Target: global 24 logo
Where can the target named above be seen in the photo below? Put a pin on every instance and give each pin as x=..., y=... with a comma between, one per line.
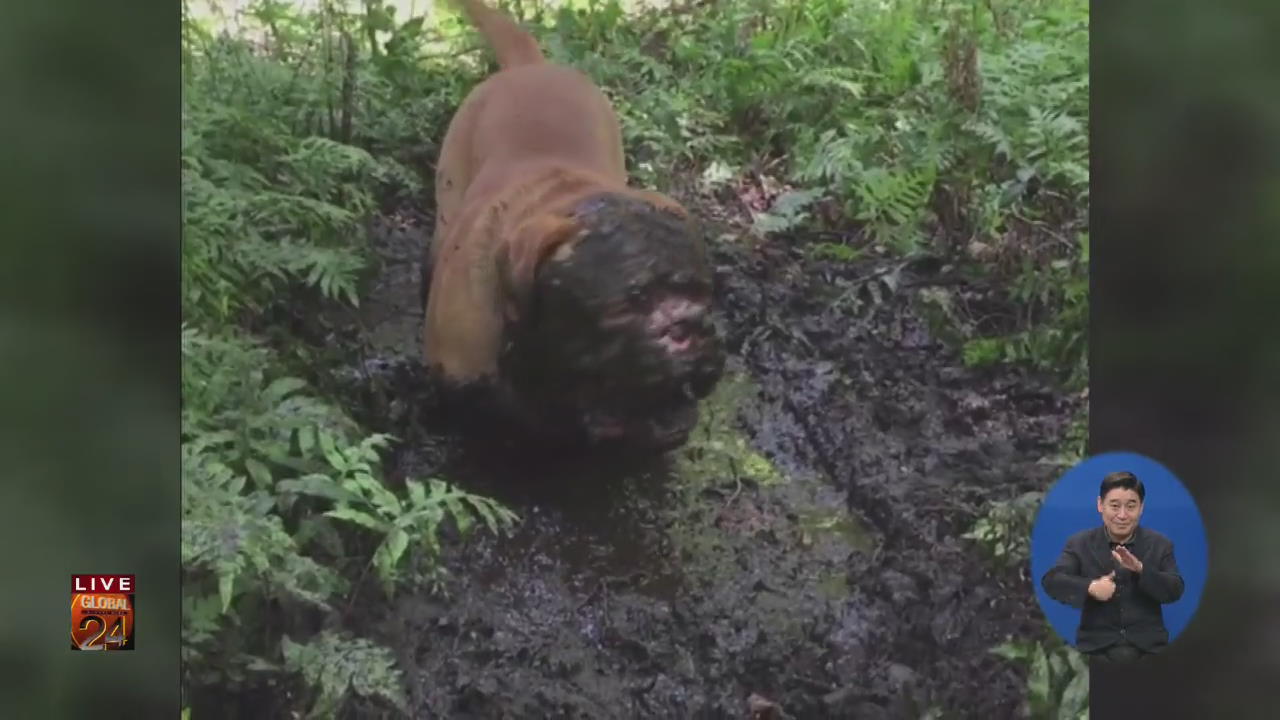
x=102, y=612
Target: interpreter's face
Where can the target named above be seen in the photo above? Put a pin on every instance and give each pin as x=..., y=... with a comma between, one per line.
x=1120, y=511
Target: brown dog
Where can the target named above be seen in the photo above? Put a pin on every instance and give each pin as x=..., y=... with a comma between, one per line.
x=584, y=303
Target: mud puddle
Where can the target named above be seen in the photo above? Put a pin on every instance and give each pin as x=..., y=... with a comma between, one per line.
x=800, y=557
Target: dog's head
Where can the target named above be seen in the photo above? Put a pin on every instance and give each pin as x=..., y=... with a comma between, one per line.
x=609, y=319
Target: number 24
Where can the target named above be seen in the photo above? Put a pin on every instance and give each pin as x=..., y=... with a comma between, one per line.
x=114, y=637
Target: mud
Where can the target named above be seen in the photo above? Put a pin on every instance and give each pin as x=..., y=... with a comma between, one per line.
x=799, y=558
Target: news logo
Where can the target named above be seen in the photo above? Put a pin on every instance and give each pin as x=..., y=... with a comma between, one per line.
x=102, y=612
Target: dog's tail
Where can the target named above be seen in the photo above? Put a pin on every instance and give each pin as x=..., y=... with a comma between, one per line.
x=511, y=43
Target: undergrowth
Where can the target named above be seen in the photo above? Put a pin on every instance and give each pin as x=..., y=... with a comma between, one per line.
x=910, y=127
x=1057, y=674
x=289, y=146
x=946, y=127
x=1057, y=677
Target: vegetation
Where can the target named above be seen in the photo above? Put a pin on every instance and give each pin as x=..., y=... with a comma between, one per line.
x=1057, y=678
x=912, y=127
x=1057, y=675
x=287, y=149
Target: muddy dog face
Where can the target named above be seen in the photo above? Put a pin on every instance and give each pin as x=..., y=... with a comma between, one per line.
x=615, y=336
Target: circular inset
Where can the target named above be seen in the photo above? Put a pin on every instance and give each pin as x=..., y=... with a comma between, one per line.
x=1119, y=556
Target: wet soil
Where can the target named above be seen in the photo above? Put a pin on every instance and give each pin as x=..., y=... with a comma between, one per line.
x=800, y=558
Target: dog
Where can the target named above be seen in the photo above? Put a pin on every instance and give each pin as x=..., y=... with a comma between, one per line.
x=582, y=304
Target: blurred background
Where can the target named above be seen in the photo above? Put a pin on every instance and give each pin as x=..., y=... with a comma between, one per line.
x=1185, y=351
x=88, y=349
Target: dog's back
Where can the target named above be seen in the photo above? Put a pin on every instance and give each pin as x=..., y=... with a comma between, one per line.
x=531, y=115
x=512, y=44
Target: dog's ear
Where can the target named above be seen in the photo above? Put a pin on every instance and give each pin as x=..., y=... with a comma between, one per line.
x=524, y=251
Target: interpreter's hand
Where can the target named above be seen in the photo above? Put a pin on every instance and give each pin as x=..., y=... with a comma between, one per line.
x=1104, y=587
x=1126, y=559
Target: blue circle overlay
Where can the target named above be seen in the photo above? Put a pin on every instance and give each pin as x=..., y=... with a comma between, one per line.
x=1071, y=505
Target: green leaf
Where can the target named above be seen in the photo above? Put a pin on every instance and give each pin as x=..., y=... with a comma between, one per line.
x=396, y=542
x=1009, y=651
x=318, y=486
x=225, y=583
x=329, y=447
x=417, y=497
x=1057, y=667
x=1038, y=678
x=1075, y=698
x=1077, y=662
x=281, y=388
x=259, y=472
x=306, y=440
x=376, y=493
x=358, y=517
x=461, y=514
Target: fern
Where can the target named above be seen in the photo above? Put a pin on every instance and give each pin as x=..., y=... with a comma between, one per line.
x=232, y=262
x=333, y=271
x=894, y=204
x=361, y=499
x=233, y=406
x=236, y=536
x=275, y=204
x=1005, y=528
x=832, y=158
x=1058, y=345
x=336, y=665
x=788, y=211
x=254, y=442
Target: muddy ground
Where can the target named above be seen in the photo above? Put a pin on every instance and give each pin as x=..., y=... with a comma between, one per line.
x=799, y=558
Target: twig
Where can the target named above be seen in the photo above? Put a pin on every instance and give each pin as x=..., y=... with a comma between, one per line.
x=838, y=234
x=859, y=282
x=348, y=86
x=355, y=589
x=937, y=282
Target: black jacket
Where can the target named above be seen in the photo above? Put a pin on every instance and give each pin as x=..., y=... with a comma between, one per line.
x=1133, y=612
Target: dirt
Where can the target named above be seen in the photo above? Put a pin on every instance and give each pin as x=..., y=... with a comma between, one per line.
x=800, y=558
